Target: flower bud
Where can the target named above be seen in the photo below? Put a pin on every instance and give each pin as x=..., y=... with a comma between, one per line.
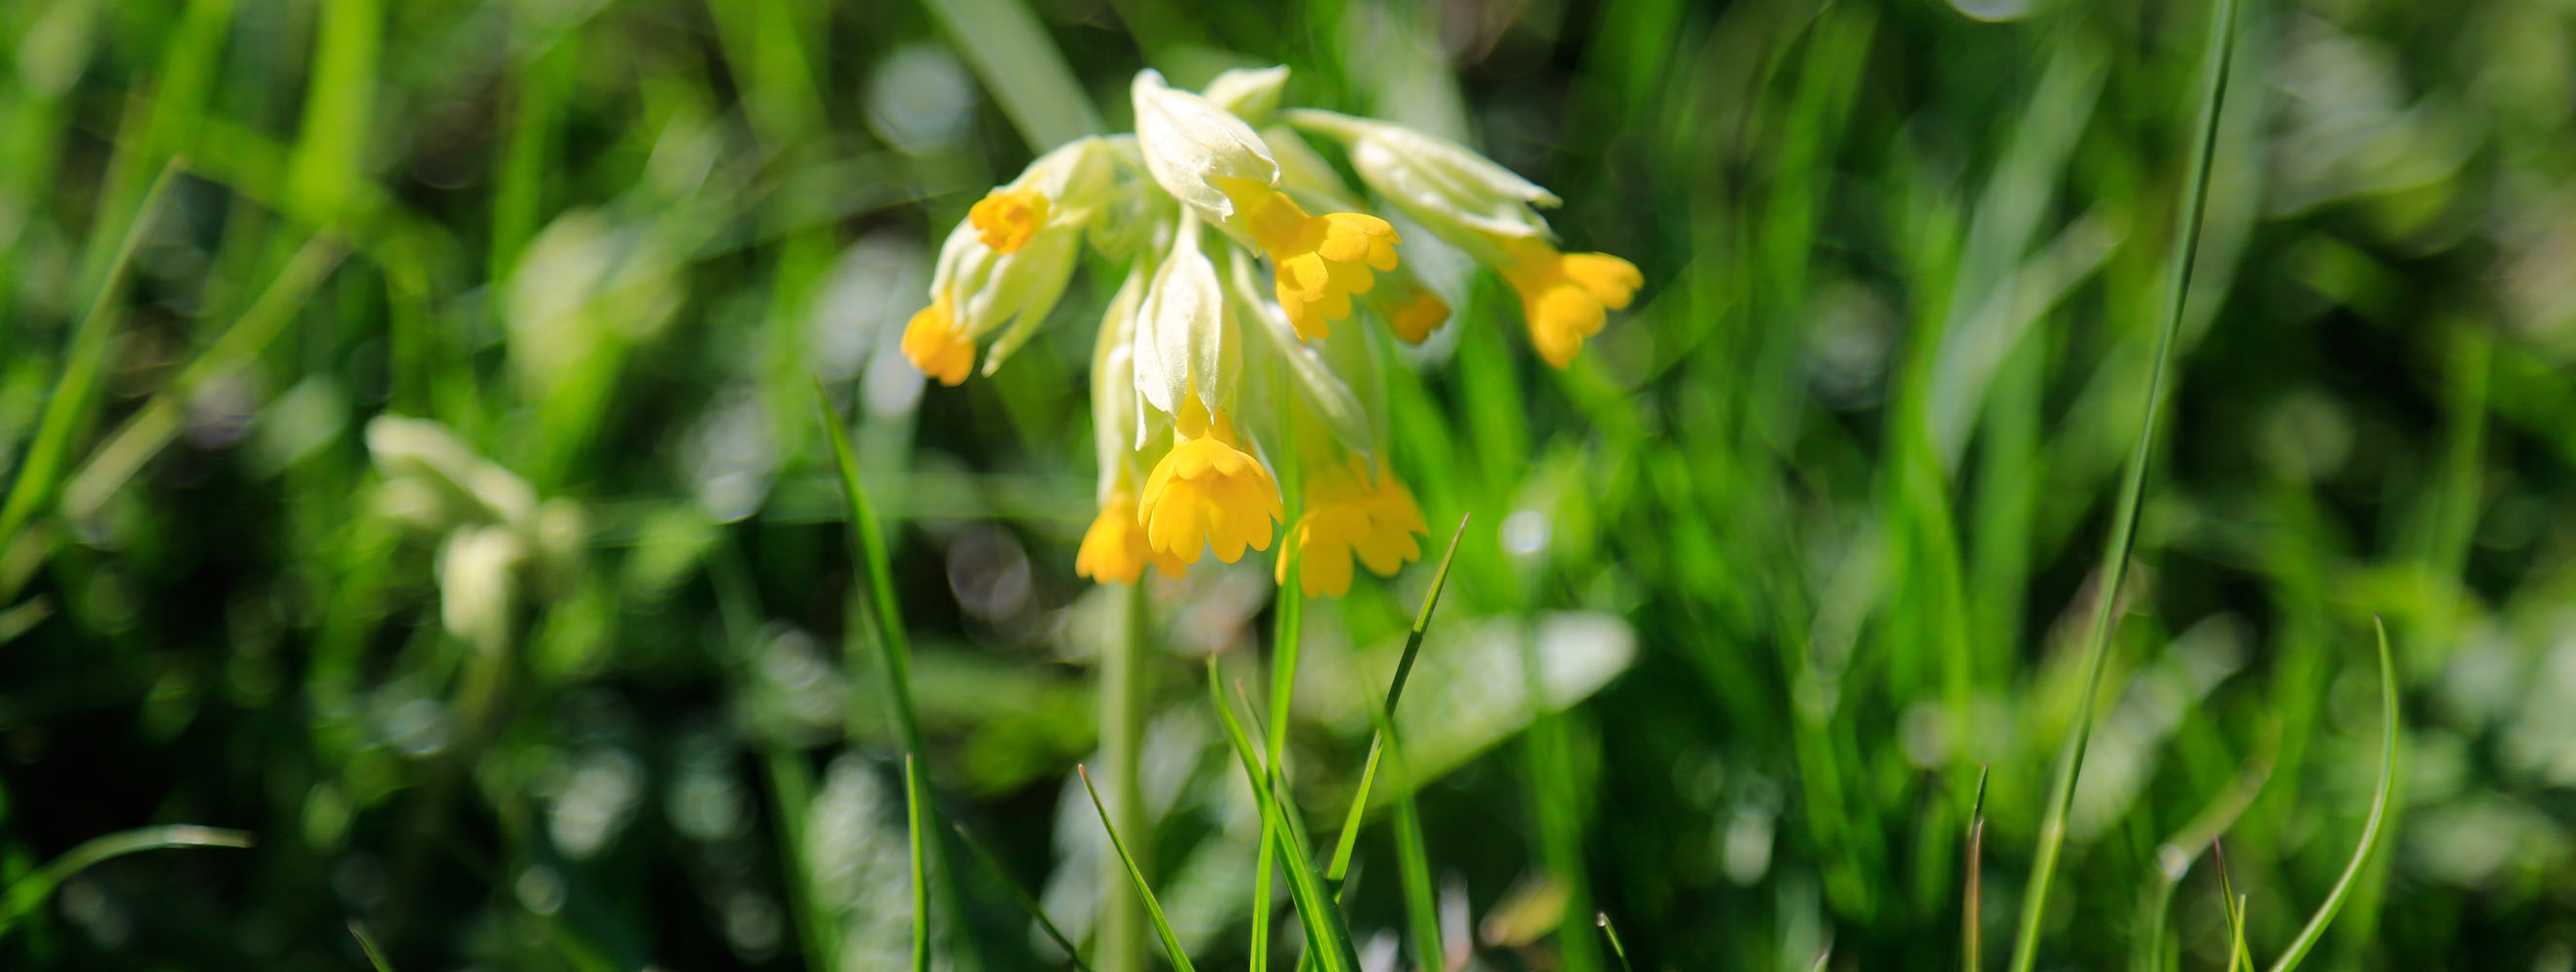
x=1115, y=429
x=1189, y=145
x=1455, y=192
x=1252, y=94
x=1185, y=346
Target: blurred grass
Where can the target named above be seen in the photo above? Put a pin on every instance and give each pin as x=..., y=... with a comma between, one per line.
x=1752, y=591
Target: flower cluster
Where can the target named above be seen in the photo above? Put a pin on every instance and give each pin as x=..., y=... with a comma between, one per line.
x=1245, y=248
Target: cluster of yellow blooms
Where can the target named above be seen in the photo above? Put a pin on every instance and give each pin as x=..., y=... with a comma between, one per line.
x=1178, y=475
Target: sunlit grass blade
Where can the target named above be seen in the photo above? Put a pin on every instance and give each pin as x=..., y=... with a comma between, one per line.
x=869, y=549
x=1002, y=876
x=2234, y=904
x=1153, y=909
x=1973, y=910
x=2115, y=552
x=69, y=407
x=1283, y=685
x=2371, y=828
x=30, y=892
x=1394, y=690
x=2237, y=956
x=375, y=956
x=894, y=649
x=912, y=814
x=1328, y=942
x=1602, y=918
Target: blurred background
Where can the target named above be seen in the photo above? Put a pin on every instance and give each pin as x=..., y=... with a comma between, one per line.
x=569, y=669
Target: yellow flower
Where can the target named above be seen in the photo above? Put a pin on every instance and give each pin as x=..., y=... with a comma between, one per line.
x=1566, y=296
x=937, y=345
x=1208, y=493
x=1115, y=548
x=1320, y=261
x=1415, y=317
x=1005, y=219
x=1350, y=514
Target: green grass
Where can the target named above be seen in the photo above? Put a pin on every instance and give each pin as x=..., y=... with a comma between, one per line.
x=1960, y=539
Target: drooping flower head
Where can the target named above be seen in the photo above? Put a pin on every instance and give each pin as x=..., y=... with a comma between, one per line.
x=1216, y=164
x=1008, y=263
x=1243, y=247
x=1489, y=212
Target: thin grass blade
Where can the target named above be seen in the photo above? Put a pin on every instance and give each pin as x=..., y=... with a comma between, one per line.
x=869, y=549
x=1602, y=918
x=912, y=814
x=1328, y=941
x=30, y=892
x=1394, y=690
x=375, y=956
x=1973, y=912
x=2115, y=552
x=1153, y=909
x=76, y=388
x=2372, y=829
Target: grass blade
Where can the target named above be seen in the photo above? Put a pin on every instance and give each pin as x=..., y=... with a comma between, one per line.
x=2371, y=828
x=2115, y=548
x=1283, y=684
x=1002, y=876
x=1394, y=691
x=2237, y=957
x=30, y=892
x=375, y=956
x=912, y=814
x=1328, y=943
x=1602, y=918
x=894, y=651
x=74, y=390
x=1153, y=909
x=1971, y=937
x=869, y=549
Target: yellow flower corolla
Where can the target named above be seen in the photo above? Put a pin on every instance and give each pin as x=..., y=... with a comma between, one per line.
x=1207, y=493
x=1115, y=548
x=1006, y=219
x=1320, y=261
x=1350, y=514
x=1418, y=316
x=1566, y=296
x=937, y=345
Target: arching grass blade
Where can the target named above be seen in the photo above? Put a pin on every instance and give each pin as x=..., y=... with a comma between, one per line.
x=2371, y=828
x=30, y=892
x=1153, y=909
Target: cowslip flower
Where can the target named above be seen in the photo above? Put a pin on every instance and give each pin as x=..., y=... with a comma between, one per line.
x=1241, y=247
x=1008, y=263
x=1489, y=212
x=1351, y=513
x=1208, y=493
x=1216, y=164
